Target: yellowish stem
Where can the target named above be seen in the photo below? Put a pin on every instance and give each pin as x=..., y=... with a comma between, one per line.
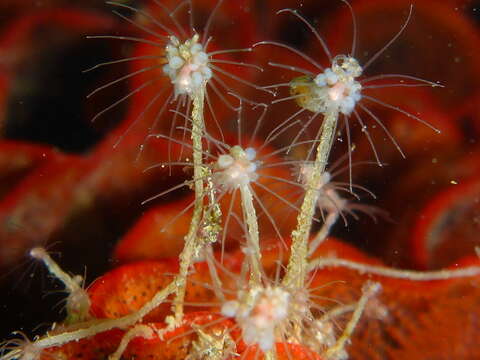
x=191, y=243
x=216, y=281
x=297, y=266
x=140, y=330
x=253, y=238
x=41, y=254
x=370, y=289
x=271, y=354
x=395, y=273
x=90, y=328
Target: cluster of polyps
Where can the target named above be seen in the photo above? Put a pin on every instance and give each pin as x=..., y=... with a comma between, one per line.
x=259, y=312
x=334, y=90
x=238, y=168
x=188, y=65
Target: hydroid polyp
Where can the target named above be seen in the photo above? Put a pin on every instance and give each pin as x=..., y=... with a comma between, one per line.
x=239, y=166
x=267, y=313
x=20, y=348
x=266, y=307
x=78, y=302
x=328, y=92
x=170, y=50
x=339, y=87
x=183, y=57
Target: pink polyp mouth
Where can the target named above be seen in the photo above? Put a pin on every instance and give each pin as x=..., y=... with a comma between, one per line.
x=337, y=92
x=184, y=76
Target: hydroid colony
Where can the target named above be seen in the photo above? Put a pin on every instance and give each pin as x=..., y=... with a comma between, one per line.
x=265, y=308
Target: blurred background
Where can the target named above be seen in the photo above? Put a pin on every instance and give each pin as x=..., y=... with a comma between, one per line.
x=62, y=185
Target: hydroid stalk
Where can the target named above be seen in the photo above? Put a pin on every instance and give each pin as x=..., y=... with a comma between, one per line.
x=253, y=238
x=191, y=244
x=297, y=268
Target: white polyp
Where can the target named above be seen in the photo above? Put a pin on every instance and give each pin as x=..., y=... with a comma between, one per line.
x=235, y=169
x=329, y=199
x=259, y=312
x=328, y=77
x=187, y=65
x=337, y=88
